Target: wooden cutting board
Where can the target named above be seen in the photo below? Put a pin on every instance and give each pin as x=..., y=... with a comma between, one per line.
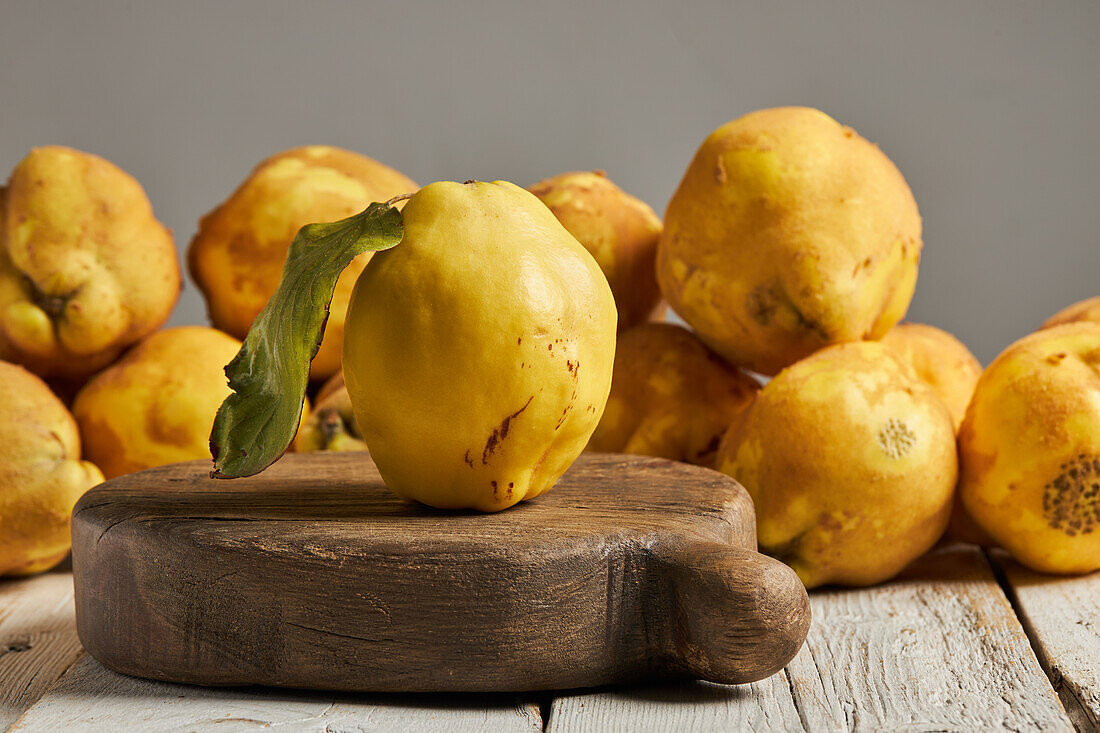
x=313, y=575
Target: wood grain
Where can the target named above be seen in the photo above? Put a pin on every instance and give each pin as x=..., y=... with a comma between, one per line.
x=92, y=698
x=37, y=639
x=686, y=707
x=313, y=575
x=938, y=649
x=1062, y=618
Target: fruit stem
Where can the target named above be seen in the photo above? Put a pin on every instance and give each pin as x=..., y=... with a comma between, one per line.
x=402, y=197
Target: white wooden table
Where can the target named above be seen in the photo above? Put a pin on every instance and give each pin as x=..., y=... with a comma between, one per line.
x=961, y=641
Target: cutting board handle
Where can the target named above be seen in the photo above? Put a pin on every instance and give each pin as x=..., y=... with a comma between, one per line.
x=738, y=616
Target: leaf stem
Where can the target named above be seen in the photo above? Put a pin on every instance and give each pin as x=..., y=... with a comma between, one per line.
x=269, y=375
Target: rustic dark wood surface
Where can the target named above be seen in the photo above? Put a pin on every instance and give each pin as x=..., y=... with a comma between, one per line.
x=313, y=575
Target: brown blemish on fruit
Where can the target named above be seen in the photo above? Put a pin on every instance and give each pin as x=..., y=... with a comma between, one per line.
x=1056, y=359
x=501, y=432
x=764, y=302
x=511, y=486
x=469, y=461
x=1071, y=501
x=161, y=428
x=575, y=371
x=519, y=341
x=761, y=305
x=710, y=448
x=807, y=325
x=896, y=439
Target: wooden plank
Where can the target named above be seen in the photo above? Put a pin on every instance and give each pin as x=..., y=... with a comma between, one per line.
x=37, y=639
x=90, y=697
x=689, y=706
x=938, y=649
x=1062, y=617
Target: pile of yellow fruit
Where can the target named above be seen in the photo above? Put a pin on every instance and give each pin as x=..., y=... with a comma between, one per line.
x=790, y=249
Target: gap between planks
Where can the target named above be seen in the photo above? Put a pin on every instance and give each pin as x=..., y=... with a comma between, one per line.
x=1061, y=617
x=895, y=657
x=38, y=641
x=92, y=698
x=939, y=648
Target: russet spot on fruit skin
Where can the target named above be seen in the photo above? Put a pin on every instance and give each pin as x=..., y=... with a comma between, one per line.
x=1071, y=501
x=1028, y=448
x=237, y=255
x=850, y=461
x=85, y=268
x=788, y=233
x=896, y=439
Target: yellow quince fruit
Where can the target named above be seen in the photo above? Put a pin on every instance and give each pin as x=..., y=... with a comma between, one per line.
x=789, y=232
x=671, y=396
x=237, y=255
x=41, y=474
x=1083, y=310
x=156, y=405
x=478, y=346
x=331, y=423
x=478, y=352
x=86, y=270
x=940, y=360
x=619, y=230
x=1029, y=449
x=945, y=364
x=850, y=462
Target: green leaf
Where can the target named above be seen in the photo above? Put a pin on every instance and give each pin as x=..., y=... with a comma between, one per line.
x=269, y=375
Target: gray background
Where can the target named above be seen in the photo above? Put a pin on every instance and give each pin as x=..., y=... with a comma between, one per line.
x=990, y=109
